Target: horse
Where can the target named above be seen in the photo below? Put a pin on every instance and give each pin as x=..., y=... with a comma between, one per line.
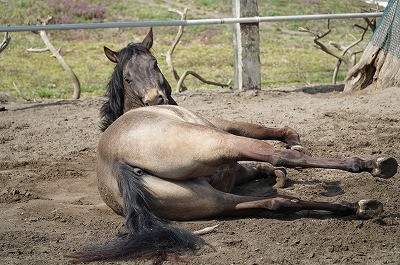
x=158, y=161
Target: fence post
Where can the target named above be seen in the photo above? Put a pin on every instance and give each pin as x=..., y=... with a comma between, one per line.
x=246, y=44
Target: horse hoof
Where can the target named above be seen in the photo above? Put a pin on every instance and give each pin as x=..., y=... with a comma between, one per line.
x=300, y=149
x=368, y=209
x=280, y=174
x=385, y=167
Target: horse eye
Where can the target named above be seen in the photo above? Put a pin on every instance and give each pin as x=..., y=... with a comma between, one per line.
x=127, y=80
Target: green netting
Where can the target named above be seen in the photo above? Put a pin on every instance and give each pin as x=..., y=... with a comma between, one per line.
x=387, y=34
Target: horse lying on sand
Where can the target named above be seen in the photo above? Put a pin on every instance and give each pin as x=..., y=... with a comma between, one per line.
x=158, y=161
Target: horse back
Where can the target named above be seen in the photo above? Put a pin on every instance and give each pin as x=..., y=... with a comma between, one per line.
x=170, y=113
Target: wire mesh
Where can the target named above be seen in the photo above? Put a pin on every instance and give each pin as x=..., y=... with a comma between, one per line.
x=387, y=34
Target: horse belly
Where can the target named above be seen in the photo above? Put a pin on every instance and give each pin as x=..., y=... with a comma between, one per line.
x=182, y=200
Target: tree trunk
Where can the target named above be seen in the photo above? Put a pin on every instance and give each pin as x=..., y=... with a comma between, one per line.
x=246, y=44
x=376, y=69
x=379, y=66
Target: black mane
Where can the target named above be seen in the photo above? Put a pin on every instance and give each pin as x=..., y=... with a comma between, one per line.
x=114, y=106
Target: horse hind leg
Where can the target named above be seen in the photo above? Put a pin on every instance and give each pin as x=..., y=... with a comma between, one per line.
x=197, y=199
x=146, y=199
x=250, y=149
x=256, y=131
x=148, y=237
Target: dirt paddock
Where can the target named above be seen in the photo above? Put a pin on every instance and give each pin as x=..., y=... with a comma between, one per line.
x=49, y=204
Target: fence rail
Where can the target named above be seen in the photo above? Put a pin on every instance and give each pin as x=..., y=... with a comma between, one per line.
x=185, y=22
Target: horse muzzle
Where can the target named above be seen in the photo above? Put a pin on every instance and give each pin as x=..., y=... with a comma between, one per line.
x=154, y=97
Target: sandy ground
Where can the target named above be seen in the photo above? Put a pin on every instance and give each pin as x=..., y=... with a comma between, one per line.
x=49, y=204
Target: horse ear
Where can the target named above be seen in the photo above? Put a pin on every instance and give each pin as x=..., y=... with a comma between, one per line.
x=111, y=55
x=148, y=40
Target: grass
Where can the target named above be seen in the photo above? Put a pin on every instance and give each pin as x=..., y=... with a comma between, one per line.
x=287, y=56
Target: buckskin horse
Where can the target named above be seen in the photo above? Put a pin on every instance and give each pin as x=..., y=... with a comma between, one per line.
x=158, y=161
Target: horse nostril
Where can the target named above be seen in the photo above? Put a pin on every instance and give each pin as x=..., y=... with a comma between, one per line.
x=147, y=102
x=158, y=99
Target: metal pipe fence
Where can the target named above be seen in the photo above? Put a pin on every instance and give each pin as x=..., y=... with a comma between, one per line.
x=185, y=22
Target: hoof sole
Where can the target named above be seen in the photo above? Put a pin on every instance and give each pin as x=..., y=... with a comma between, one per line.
x=385, y=168
x=368, y=209
x=280, y=174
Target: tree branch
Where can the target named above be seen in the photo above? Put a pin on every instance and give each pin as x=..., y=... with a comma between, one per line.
x=56, y=53
x=5, y=42
x=323, y=47
x=347, y=50
x=180, y=86
x=344, y=49
x=193, y=73
x=38, y=50
x=206, y=230
x=351, y=45
x=20, y=93
x=173, y=46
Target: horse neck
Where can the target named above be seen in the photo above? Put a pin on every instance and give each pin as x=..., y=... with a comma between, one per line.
x=131, y=102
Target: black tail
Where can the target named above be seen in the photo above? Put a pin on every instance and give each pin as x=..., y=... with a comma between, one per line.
x=148, y=237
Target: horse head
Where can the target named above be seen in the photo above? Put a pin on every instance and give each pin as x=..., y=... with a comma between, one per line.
x=136, y=81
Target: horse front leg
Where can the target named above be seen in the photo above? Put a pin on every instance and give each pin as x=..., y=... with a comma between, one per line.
x=228, y=176
x=255, y=131
x=250, y=149
x=246, y=172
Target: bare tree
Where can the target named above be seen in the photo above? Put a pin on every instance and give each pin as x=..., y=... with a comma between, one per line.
x=344, y=54
x=173, y=46
x=180, y=86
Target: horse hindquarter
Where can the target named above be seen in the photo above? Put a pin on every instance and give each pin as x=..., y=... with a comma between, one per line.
x=164, y=144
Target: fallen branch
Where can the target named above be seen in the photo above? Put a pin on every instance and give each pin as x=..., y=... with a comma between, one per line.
x=20, y=93
x=206, y=230
x=173, y=46
x=193, y=73
x=5, y=42
x=38, y=49
x=56, y=53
